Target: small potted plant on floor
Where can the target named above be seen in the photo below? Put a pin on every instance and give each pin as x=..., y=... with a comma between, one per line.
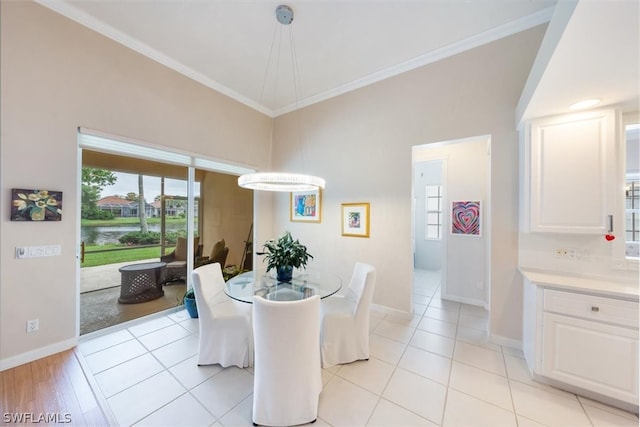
x=284, y=254
x=189, y=300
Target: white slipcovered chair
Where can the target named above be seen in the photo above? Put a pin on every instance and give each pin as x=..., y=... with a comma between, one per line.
x=345, y=319
x=225, y=325
x=287, y=374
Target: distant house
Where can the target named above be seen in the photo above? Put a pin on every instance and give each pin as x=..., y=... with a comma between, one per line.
x=124, y=208
x=119, y=207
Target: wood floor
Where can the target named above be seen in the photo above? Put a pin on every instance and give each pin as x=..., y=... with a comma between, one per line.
x=54, y=388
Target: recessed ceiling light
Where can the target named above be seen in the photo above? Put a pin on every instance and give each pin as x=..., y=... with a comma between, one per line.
x=587, y=103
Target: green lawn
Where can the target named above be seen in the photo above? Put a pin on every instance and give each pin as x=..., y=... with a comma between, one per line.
x=92, y=259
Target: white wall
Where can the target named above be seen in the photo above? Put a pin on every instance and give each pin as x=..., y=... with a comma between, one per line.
x=56, y=75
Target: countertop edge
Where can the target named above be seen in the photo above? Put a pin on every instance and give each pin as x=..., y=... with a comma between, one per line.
x=598, y=285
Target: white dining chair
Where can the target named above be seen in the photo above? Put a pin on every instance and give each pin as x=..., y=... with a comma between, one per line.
x=287, y=374
x=345, y=319
x=225, y=324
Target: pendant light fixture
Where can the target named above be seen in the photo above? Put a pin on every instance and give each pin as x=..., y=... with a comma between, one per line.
x=282, y=181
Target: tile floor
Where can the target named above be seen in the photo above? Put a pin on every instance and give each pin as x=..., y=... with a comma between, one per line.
x=437, y=369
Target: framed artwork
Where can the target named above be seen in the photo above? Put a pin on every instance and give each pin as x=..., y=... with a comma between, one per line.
x=36, y=205
x=465, y=218
x=355, y=219
x=306, y=206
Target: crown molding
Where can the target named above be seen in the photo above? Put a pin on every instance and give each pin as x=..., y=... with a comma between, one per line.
x=505, y=30
x=469, y=43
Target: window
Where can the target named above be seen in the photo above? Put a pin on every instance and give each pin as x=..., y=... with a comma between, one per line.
x=433, y=225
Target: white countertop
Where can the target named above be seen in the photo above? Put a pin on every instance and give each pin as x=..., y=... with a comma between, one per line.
x=627, y=289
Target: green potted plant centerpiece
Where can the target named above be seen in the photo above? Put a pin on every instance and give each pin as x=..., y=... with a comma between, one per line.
x=284, y=254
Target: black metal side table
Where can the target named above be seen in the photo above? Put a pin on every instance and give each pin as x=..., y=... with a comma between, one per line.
x=142, y=282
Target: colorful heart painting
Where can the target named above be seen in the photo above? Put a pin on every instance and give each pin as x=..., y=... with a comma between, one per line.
x=465, y=218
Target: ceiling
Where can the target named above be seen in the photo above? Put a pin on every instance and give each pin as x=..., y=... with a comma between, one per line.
x=591, y=50
x=339, y=45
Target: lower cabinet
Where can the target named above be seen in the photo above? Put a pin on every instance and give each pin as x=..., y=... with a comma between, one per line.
x=582, y=340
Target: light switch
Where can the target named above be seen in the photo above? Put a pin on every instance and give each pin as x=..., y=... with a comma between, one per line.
x=37, y=251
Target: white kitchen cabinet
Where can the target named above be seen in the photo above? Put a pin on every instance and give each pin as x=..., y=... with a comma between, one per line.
x=569, y=172
x=582, y=341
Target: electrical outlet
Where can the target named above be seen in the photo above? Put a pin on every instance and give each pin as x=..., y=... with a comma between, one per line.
x=33, y=325
x=560, y=252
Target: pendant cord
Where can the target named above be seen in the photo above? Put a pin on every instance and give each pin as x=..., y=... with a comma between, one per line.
x=262, y=91
x=296, y=90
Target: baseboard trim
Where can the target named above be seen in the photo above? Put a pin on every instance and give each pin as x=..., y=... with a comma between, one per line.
x=388, y=310
x=506, y=342
x=38, y=353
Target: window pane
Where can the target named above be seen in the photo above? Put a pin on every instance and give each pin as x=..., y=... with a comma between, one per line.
x=433, y=232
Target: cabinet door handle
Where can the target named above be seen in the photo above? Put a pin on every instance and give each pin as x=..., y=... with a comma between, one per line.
x=595, y=309
x=610, y=218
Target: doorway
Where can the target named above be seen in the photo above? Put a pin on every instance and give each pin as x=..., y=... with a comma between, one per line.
x=451, y=187
x=201, y=205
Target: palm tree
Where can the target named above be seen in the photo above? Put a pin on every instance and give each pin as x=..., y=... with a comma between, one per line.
x=142, y=206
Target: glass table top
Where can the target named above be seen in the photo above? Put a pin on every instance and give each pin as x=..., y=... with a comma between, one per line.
x=304, y=284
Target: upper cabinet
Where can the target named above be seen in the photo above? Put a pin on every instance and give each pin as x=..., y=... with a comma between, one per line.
x=569, y=173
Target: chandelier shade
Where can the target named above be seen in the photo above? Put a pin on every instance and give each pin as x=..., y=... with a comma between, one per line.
x=280, y=181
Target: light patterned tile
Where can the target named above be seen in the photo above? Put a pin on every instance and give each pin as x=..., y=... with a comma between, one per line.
x=183, y=411
x=473, y=322
x=345, y=404
x=444, y=304
x=410, y=391
x=604, y=418
x=481, y=384
x=177, y=351
x=164, y=336
x=241, y=415
x=151, y=325
x=112, y=356
x=385, y=349
x=444, y=315
x=394, y=331
x=439, y=327
x=105, y=341
x=372, y=374
x=592, y=403
x=426, y=364
x=190, y=374
x=476, y=337
x=433, y=342
x=127, y=374
x=135, y=403
x=225, y=390
x=480, y=357
x=547, y=408
x=463, y=411
x=389, y=414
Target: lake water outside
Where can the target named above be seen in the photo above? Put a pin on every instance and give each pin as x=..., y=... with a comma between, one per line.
x=101, y=235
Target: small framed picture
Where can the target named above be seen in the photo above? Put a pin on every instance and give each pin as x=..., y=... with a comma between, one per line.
x=36, y=205
x=465, y=218
x=355, y=219
x=306, y=206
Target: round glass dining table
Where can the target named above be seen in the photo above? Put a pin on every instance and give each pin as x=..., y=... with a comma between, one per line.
x=304, y=284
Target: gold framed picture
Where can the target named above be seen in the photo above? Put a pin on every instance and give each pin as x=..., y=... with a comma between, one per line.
x=306, y=206
x=355, y=219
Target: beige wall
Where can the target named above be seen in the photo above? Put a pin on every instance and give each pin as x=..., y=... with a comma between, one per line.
x=55, y=76
x=361, y=144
